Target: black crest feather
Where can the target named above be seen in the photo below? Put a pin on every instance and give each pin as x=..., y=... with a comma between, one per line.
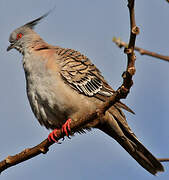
x=33, y=23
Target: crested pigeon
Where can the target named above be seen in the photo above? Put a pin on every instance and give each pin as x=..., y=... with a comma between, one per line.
x=63, y=85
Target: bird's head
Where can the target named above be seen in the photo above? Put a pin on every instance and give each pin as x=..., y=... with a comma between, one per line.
x=21, y=37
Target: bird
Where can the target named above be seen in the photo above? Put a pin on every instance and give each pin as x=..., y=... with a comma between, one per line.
x=63, y=85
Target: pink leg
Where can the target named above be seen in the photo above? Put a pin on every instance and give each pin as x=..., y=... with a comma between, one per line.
x=66, y=127
x=53, y=135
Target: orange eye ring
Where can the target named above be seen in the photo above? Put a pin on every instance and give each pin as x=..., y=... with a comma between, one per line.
x=19, y=35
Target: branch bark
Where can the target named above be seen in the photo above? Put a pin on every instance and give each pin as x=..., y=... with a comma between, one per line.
x=142, y=51
x=122, y=92
x=163, y=159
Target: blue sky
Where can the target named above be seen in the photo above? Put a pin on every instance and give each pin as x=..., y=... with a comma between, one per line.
x=87, y=26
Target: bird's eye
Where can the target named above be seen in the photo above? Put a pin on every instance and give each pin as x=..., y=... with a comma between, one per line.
x=19, y=35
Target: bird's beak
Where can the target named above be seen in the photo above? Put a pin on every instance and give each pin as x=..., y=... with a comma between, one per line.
x=11, y=46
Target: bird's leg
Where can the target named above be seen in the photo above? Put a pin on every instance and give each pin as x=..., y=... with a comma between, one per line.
x=65, y=129
x=53, y=135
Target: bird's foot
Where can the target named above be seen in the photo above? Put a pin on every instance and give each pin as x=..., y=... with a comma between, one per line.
x=53, y=136
x=66, y=127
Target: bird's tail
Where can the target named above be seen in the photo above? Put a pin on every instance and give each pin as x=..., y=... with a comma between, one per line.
x=115, y=125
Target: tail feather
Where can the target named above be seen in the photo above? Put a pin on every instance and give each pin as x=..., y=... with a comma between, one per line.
x=142, y=156
x=121, y=105
x=123, y=135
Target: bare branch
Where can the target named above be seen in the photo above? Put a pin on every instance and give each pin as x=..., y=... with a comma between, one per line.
x=163, y=159
x=142, y=51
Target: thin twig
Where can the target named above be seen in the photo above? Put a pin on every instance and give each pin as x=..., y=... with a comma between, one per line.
x=163, y=159
x=142, y=51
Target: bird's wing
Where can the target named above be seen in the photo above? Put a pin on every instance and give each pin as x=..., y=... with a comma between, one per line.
x=78, y=71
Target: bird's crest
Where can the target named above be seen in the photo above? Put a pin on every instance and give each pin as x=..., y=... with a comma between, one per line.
x=33, y=23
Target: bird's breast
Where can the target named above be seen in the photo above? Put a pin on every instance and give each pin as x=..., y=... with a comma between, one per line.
x=51, y=100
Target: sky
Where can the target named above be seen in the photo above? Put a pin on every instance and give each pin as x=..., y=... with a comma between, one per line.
x=87, y=26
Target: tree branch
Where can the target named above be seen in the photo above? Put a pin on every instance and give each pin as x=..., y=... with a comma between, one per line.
x=142, y=51
x=163, y=159
x=94, y=117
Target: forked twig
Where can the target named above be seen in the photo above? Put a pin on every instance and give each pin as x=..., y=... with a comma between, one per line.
x=142, y=51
